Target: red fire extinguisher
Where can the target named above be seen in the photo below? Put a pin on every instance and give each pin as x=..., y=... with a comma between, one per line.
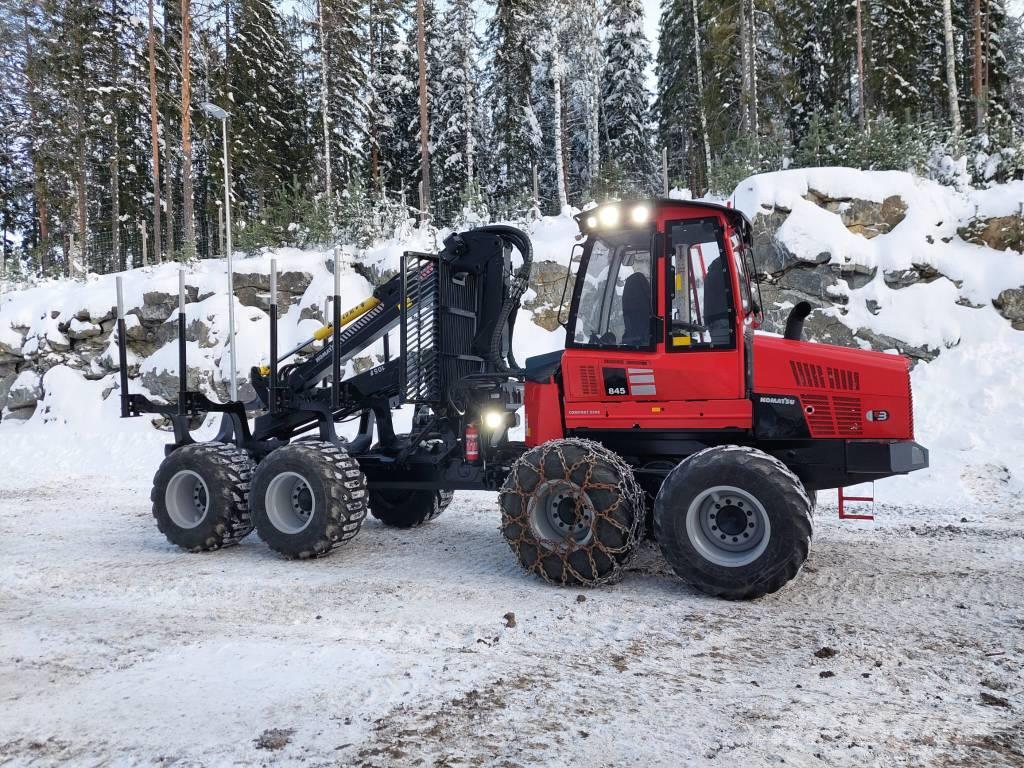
x=472, y=441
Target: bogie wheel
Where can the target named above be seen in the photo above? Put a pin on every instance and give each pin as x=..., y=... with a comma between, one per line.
x=201, y=496
x=408, y=509
x=733, y=522
x=307, y=498
x=572, y=512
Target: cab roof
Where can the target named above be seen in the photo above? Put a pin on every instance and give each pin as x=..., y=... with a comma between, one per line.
x=737, y=219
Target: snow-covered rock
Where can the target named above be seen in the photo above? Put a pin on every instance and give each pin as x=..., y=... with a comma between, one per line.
x=24, y=391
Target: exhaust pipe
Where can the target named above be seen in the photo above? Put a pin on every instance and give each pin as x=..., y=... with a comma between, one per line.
x=795, y=321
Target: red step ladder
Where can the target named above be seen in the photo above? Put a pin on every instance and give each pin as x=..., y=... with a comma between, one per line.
x=843, y=498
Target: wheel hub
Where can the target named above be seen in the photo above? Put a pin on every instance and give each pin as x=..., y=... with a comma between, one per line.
x=728, y=526
x=187, y=499
x=560, y=512
x=289, y=502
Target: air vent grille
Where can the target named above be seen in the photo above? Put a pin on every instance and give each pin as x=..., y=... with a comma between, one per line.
x=819, y=414
x=833, y=416
x=588, y=379
x=813, y=376
x=847, y=413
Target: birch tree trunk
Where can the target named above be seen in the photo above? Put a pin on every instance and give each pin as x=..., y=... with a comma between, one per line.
x=861, y=106
x=593, y=132
x=951, y=87
x=699, y=71
x=752, y=26
x=421, y=47
x=745, y=68
x=39, y=177
x=186, y=129
x=154, y=131
x=556, y=76
x=979, y=63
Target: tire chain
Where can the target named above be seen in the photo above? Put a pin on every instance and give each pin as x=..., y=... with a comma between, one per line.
x=625, y=492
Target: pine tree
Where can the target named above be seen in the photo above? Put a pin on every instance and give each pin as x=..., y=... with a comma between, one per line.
x=454, y=110
x=516, y=137
x=582, y=65
x=625, y=98
x=261, y=69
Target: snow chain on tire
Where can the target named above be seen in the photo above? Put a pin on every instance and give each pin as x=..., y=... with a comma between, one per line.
x=222, y=473
x=611, y=501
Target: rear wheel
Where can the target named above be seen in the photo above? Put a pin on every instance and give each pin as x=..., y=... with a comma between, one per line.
x=572, y=512
x=201, y=496
x=733, y=522
x=307, y=498
x=408, y=509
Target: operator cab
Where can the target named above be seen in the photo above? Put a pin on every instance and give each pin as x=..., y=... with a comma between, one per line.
x=659, y=322
x=686, y=247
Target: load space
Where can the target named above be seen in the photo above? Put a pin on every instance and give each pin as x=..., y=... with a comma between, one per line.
x=665, y=416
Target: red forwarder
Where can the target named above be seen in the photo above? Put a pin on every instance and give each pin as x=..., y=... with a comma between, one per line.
x=664, y=413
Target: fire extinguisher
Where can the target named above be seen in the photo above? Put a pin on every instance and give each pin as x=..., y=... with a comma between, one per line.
x=472, y=442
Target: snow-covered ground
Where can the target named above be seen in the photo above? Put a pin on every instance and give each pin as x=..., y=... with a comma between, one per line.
x=898, y=644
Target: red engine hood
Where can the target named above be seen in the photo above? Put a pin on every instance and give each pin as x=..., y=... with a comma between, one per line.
x=848, y=393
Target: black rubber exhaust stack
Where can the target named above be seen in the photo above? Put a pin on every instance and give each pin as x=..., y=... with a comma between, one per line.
x=795, y=321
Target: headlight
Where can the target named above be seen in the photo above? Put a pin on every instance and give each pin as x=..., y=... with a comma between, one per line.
x=493, y=420
x=591, y=222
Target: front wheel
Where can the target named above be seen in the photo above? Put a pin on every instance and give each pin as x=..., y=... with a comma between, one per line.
x=572, y=512
x=733, y=522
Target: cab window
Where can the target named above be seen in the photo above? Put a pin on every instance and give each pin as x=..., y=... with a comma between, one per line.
x=614, y=303
x=700, y=298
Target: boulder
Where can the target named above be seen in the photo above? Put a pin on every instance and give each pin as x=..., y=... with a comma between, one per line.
x=7, y=378
x=863, y=217
x=253, y=289
x=904, y=278
x=547, y=280
x=1010, y=304
x=82, y=329
x=11, y=344
x=25, y=391
x=855, y=275
x=1000, y=232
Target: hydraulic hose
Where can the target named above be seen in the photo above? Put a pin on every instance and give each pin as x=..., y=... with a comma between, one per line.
x=521, y=280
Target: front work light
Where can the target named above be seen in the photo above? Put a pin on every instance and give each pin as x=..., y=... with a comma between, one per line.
x=609, y=216
x=640, y=214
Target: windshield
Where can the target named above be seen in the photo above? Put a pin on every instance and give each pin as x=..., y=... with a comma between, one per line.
x=615, y=297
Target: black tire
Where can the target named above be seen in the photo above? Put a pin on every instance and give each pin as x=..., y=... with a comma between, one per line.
x=748, y=493
x=307, y=498
x=408, y=509
x=572, y=512
x=201, y=496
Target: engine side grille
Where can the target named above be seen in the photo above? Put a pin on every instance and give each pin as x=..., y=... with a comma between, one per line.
x=813, y=376
x=588, y=381
x=820, y=417
x=832, y=416
x=847, y=414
